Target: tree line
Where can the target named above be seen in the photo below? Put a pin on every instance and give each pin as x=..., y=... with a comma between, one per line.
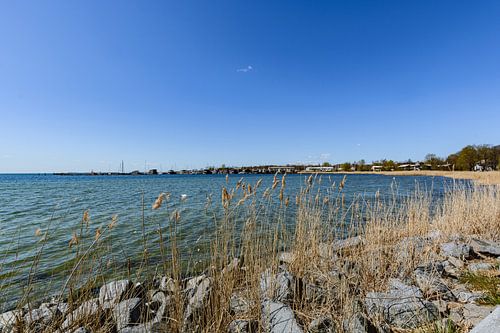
x=468, y=157
x=485, y=156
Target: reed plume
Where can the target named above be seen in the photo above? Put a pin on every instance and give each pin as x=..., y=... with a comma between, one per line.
x=74, y=240
x=158, y=202
x=114, y=220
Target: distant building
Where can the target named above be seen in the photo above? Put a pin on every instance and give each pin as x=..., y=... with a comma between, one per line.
x=320, y=169
x=282, y=169
x=376, y=168
x=415, y=167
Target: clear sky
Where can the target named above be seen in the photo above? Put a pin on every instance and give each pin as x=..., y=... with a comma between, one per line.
x=176, y=84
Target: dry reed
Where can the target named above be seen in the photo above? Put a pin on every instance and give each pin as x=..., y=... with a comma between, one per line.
x=257, y=228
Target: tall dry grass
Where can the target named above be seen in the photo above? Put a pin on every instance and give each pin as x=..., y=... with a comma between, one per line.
x=253, y=226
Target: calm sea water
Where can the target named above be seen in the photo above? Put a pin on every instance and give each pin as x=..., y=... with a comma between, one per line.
x=57, y=203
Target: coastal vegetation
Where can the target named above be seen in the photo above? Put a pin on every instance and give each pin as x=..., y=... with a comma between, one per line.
x=332, y=268
x=485, y=156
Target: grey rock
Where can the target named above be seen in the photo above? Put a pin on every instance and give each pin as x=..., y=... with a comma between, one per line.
x=196, y=302
x=456, y=249
x=464, y=295
x=127, y=312
x=276, y=287
x=88, y=309
x=450, y=270
x=157, y=308
x=59, y=308
x=167, y=284
x=457, y=263
x=348, y=243
x=9, y=319
x=470, y=297
x=402, y=306
x=358, y=323
x=398, y=286
x=279, y=318
x=435, y=268
x=242, y=326
x=490, y=324
x=149, y=327
x=452, y=267
x=114, y=292
x=285, y=285
x=455, y=315
x=323, y=324
x=41, y=316
x=473, y=314
x=479, y=266
x=432, y=286
x=192, y=283
x=485, y=247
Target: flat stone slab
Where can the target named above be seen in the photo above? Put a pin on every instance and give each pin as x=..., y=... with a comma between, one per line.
x=456, y=249
x=402, y=306
x=41, y=315
x=343, y=244
x=276, y=286
x=485, y=247
x=473, y=314
x=197, y=299
x=358, y=323
x=490, y=324
x=114, y=291
x=144, y=328
x=279, y=318
x=85, y=310
x=9, y=319
x=432, y=286
x=127, y=312
x=479, y=266
x=464, y=295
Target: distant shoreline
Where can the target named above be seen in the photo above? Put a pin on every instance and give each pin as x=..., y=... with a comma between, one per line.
x=485, y=178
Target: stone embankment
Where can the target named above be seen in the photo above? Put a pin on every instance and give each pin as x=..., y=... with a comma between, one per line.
x=434, y=295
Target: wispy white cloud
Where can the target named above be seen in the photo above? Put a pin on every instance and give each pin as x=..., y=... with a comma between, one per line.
x=324, y=156
x=245, y=69
x=316, y=159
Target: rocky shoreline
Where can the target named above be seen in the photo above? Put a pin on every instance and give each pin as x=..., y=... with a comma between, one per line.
x=433, y=295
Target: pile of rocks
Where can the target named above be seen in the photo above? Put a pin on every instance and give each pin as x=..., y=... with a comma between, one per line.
x=434, y=293
x=431, y=295
x=120, y=306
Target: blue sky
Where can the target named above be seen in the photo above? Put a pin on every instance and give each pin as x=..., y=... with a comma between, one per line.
x=184, y=84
